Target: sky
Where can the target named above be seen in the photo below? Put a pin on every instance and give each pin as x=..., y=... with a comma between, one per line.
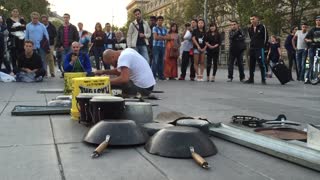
x=91, y=11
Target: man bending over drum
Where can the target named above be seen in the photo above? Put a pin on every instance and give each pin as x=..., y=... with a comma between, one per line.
x=132, y=70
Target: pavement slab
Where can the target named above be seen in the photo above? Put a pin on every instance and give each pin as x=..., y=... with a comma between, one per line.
x=29, y=163
x=115, y=164
x=66, y=130
x=186, y=169
x=270, y=166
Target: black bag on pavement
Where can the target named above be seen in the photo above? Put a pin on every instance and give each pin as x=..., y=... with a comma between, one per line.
x=282, y=72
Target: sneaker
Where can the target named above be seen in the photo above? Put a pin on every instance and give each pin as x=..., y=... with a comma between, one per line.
x=249, y=81
x=212, y=78
x=229, y=80
x=263, y=82
x=307, y=81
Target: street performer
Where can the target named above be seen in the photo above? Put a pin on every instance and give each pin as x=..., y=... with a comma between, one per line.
x=133, y=72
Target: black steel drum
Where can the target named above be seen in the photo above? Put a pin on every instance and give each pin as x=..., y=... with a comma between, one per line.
x=203, y=125
x=106, y=107
x=140, y=112
x=83, y=107
x=175, y=142
x=122, y=133
x=152, y=128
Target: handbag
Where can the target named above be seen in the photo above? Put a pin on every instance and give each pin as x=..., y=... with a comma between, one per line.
x=191, y=52
x=44, y=44
x=174, y=52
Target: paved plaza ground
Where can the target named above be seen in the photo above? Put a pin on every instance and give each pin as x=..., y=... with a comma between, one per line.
x=51, y=147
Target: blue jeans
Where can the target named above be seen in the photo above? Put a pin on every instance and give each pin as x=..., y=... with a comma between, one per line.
x=64, y=53
x=42, y=54
x=301, y=61
x=143, y=50
x=157, y=62
x=312, y=53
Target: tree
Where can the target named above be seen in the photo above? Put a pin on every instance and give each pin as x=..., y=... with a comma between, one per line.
x=175, y=14
x=25, y=7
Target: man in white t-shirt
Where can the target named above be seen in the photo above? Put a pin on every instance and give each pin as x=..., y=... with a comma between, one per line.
x=301, y=49
x=132, y=70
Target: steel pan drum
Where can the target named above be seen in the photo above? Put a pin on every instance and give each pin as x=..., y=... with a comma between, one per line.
x=106, y=107
x=197, y=123
x=122, y=133
x=175, y=142
x=83, y=106
x=140, y=112
x=152, y=128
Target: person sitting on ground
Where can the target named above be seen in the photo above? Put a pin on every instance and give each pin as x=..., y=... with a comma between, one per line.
x=77, y=61
x=133, y=72
x=30, y=65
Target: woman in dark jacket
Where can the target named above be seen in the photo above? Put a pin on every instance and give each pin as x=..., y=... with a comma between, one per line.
x=213, y=41
x=98, y=39
x=16, y=27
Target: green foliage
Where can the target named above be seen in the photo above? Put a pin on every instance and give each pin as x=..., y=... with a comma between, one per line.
x=25, y=7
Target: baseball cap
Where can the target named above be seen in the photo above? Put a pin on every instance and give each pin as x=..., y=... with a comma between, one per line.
x=318, y=18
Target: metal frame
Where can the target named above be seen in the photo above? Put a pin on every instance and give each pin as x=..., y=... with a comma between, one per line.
x=295, y=153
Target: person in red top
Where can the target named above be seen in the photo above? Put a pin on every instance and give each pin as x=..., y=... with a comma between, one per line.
x=67, y=33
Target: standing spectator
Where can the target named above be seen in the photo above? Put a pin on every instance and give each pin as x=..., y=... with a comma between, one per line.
x=186, y=56
x=3, y=50
x=97, y=40
x=172, y=53
x=16, y=26
x=121, y=42
x=67, y=33
x=80, y=27
x=36, y=31
x=138, y=34
x=52, y=31
x=259, y=37
x=274, y=53
x=313, y=37
x=84, y=42
x=291, y=52
x=159, y=38
x=152, y=23
x=237, y=47
x=301, y=50
x=213, y=42
x=110, y=37
x=199, y=48
x=109, y=41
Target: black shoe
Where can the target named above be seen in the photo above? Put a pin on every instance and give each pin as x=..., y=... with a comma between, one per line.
x=249, y=81
x=229, y=80
x=242, y=80
x=263, y=82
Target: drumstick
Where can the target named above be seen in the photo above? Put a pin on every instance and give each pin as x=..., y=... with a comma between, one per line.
x=97, y=152
x=198, y=159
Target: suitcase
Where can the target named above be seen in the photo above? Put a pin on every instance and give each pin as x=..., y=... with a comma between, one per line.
x=282, y=72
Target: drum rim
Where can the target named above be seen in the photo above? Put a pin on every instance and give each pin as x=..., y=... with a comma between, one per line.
x=106, y=99
x=91, y=95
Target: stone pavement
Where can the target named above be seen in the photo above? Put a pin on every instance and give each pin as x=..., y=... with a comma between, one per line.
x=51, y=147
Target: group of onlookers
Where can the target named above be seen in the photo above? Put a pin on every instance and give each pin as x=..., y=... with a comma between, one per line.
x=160, y=47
